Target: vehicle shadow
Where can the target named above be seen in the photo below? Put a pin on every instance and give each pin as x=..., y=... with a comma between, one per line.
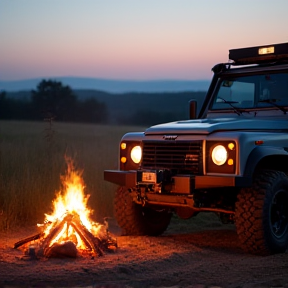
x=205, y=231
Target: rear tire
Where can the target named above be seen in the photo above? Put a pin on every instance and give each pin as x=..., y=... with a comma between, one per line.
x=261, y=214
x=137, y=220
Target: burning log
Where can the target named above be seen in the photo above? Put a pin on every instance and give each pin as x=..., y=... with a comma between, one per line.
x=67, y=249
x=29, y=239
x=56, y=229
x=88, y=238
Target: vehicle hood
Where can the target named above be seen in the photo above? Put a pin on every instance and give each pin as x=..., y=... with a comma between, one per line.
x=207, y=126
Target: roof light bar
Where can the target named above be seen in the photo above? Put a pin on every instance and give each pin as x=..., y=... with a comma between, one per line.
x=259, y=54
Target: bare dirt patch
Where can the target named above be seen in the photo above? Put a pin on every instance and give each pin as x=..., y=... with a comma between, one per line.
x=200, y=252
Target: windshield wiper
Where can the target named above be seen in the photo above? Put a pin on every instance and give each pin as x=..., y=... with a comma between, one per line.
x=236, y=110
x=272, y=102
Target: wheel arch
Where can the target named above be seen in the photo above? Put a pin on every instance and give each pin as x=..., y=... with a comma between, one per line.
x=266, y=157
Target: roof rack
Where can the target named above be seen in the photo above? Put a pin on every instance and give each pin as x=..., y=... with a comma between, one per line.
x=259, y=54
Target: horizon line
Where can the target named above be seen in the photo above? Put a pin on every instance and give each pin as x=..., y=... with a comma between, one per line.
x=105, y=79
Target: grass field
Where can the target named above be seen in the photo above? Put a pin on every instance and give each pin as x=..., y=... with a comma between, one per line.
x=32, y=161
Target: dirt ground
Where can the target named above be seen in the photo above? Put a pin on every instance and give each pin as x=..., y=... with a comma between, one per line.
x=199, y=252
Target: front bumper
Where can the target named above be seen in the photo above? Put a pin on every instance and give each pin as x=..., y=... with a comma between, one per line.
x=188, y=183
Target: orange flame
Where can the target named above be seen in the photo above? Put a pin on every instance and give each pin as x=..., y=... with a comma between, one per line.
x=71, y=199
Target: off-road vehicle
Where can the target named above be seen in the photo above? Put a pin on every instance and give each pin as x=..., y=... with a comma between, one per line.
x=231, y=157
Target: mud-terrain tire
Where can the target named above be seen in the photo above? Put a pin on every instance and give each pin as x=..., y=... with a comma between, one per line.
x=137, y=220
x=261, y=214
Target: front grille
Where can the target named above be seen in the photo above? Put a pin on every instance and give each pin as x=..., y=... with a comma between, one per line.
x=182, y=156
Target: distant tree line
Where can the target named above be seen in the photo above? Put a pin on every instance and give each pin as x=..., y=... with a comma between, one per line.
x=53, y=100
x=143, y=108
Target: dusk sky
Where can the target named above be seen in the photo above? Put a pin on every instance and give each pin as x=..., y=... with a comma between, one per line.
x=131, y=39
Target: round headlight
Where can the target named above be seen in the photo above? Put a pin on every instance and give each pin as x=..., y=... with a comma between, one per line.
x=136, y=154
x=219, y=155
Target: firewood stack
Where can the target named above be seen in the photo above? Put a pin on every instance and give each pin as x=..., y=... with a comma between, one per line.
x=96, y=245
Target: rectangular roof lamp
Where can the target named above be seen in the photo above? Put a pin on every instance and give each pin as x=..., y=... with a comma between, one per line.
x=259, y=54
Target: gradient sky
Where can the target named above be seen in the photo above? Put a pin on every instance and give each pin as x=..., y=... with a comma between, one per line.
x=131, y=39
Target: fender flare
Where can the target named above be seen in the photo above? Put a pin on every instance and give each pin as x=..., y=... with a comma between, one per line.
x=260, y=152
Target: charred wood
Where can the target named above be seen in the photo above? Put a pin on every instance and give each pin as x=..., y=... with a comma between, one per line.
x=28, y=239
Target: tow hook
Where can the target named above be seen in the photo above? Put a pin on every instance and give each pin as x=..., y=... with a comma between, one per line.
x=141, y=198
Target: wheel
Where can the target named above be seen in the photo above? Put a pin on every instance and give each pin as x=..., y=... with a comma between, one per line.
x=261, y=214
x=137, y=220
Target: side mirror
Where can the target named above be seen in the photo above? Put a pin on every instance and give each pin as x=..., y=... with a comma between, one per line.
x=192, y=109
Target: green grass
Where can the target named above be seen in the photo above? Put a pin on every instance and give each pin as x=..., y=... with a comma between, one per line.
x=32, y=161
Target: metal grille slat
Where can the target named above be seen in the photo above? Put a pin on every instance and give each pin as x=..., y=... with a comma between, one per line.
x=183, y=156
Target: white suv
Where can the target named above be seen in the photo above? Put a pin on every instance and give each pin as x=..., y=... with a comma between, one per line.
x=230, y=158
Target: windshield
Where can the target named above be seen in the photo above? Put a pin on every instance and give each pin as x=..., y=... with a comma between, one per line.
x=252, y=92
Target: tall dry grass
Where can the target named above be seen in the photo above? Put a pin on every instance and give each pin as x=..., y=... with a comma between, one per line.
x=32, y=161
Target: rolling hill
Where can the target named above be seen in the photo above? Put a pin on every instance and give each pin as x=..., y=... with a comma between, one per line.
x=111, y=86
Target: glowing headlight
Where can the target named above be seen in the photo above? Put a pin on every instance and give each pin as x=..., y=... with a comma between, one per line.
x=136, y=154
x=219, y=155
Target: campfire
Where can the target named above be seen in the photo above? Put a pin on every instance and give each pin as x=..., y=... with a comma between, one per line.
x=69, y=229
